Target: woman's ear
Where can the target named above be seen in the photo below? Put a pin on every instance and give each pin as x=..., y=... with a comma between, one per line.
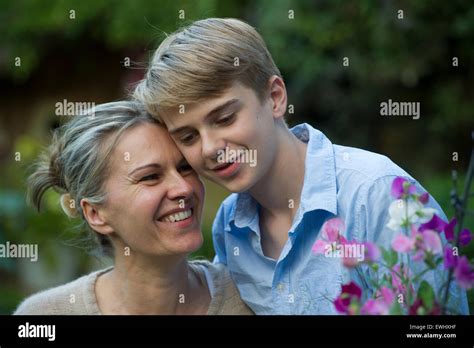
x=94, y=215
x=278, y=96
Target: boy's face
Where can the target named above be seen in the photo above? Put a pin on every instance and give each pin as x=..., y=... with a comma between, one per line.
x=231, y=139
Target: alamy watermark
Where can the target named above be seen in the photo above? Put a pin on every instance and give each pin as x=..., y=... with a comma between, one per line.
x=68, y=108
x=28, y=330
x=228, y=155
x=394, y=108
x=21, y=251
x=354, y=251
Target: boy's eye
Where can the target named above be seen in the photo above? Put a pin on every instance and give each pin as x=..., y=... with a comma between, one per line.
x=150, y=177
x=187, y=138
x=225, y=120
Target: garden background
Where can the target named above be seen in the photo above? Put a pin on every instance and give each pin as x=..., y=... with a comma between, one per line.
x=78, y=50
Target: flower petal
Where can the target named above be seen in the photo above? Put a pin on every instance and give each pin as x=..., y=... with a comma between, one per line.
x=432, y=242
x=332, y=228
x=449, y=229
x=319, y=247
x=397, y=187
x=402, y=243
x=436, y=224
x=465, y=237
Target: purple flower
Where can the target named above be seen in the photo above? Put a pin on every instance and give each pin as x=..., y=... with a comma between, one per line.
x=401, y=186
x=349, y=291
x=450, y=259
x=436, y=224
x=424, y=198
x=464, y=273
x=465, y=237
x=372, y=252
x=449, y=229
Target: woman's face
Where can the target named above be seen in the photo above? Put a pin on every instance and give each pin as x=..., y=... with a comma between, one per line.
x=154, y=198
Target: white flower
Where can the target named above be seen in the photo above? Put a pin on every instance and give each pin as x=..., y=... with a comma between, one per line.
x=402, y=214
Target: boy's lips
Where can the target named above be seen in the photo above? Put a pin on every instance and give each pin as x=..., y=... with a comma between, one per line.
x=227, y=169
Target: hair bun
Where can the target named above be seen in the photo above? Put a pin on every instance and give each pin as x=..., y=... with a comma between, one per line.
x=69, y=205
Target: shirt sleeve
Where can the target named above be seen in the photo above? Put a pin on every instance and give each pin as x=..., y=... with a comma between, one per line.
x=218, y=237
x=374, y=217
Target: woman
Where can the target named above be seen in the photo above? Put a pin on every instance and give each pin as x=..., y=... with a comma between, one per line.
x=120, y=172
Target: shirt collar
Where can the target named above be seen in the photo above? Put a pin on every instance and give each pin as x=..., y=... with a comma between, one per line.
x=319, y=187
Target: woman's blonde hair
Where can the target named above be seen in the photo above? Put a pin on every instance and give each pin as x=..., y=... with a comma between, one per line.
x=202, y=60
x=75, y=164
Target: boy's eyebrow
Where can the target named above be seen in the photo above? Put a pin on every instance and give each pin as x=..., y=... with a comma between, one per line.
x=155, y=165
x=217, y=110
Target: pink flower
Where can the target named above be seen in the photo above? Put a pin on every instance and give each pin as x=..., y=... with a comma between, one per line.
x=388, y=295
x=381, y=305
x=464, y=273
x=397, y=283
x=319, y=247
x=349, y=292
x=403, y=244
x=431, y=242
x=332, y=229
x=331, y=232
x=374, y=307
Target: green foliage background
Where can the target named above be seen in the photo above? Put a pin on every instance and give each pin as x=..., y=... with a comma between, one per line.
x=405, y=60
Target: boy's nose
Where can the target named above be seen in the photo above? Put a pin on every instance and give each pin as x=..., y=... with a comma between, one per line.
x=211, y=147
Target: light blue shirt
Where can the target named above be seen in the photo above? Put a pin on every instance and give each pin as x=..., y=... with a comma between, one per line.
x=350, y=183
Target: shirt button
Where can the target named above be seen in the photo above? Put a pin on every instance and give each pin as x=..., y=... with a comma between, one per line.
x=280, y=287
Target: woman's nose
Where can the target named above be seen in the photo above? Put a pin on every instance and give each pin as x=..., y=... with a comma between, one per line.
x=179, y=188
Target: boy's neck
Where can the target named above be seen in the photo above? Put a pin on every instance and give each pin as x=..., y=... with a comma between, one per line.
x=279, y=191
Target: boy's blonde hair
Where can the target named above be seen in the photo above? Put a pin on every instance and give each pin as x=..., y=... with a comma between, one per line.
x=202, y=60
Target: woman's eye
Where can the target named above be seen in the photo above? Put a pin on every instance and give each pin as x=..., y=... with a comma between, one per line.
x=185, y=168
x=226, y=120
x=150, y=177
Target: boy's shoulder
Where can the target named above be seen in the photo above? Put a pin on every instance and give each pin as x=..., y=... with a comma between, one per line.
x=227, y=207
x=365, y=165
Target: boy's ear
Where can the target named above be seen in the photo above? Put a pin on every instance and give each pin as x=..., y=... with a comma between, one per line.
x=95, y=217
x=278, y=96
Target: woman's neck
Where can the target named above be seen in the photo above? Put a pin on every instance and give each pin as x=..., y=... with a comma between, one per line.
x=152, y=286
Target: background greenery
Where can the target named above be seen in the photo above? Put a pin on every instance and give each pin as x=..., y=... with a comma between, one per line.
x=81, y=59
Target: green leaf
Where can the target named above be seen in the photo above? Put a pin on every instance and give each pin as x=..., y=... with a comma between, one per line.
x=426, y=293
x=396, y=309
x=390, y=257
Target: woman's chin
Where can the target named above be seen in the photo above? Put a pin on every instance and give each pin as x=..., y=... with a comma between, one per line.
x=189, y=242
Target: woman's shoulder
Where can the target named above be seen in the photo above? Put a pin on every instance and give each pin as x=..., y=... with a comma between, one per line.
x=226, y=299
x=74, y=298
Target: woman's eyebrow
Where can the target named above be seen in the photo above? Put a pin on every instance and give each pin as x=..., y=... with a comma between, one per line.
x=155, y=165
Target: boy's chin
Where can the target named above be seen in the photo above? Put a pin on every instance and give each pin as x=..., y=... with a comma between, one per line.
x=238, y=185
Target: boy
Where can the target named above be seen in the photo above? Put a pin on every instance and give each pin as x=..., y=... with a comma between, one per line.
x=216, y=88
